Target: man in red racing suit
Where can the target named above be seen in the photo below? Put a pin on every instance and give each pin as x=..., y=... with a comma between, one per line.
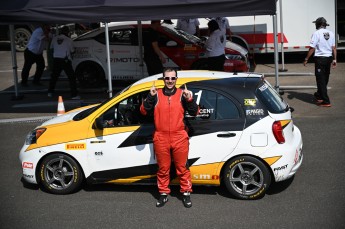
x=170, y=137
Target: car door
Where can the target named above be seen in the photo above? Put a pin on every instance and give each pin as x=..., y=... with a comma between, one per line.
x=123, y=54
x=123, y=151
x=217, y=128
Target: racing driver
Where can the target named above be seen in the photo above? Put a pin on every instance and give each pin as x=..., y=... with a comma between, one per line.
x=170, y=138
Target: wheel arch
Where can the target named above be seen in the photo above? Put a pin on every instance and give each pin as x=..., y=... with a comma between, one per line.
x=30, y=27
x=95, y=73
x=37, y=172
x=221, y=172
x=88, y=61
x=240, y=41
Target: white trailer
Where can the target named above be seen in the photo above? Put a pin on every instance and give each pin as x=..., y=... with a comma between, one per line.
x=295, y=19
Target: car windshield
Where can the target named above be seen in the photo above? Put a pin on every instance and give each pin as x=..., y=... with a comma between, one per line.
x=82, y=36
x=270, y=97
x=182, y=35
x=90, y=110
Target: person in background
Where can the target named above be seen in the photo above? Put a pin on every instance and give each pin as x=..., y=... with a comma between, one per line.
x=63, y=48
x=323, y=45
x=34, y=54
x=215, y=47
x=170, y=138
x=189, y=25
x=153, y=56
x=224, y=26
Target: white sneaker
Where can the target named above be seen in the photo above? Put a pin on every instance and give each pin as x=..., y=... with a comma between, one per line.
x=76, y=97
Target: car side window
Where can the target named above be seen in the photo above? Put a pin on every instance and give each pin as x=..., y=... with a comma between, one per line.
x=120, y=37
x=126, y=112
x=163, y=40
x=117, y=37
x=214, y=106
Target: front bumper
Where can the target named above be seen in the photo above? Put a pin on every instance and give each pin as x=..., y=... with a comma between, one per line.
x=29, y=161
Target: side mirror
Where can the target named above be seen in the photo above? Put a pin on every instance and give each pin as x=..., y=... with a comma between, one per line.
x=98, y=124
x=171, y=44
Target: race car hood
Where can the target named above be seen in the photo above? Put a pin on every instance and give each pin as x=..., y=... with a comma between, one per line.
x=64, y=118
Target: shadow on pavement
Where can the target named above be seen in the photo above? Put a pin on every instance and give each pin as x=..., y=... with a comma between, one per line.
x=34, y=98
x=279, y=186
x=305, y=97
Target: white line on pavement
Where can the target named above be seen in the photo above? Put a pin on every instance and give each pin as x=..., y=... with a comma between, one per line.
x=30, y=119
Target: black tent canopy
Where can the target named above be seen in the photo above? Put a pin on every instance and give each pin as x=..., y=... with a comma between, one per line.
x=66, y=11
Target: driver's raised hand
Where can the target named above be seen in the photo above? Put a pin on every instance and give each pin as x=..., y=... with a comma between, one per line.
x=186, y=93
x=153, y=89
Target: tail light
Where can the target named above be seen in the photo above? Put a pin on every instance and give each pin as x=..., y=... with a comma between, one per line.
x=278, y=132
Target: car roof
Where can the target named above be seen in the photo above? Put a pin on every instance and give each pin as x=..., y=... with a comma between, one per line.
x=197, y=75
x=120, y=25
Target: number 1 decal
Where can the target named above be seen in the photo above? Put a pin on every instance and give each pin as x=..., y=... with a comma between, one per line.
x=199, y=97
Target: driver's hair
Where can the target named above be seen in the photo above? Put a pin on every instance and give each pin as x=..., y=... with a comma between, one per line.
x=169, y=69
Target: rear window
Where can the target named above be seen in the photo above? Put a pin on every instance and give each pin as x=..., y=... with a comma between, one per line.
x=270, y=98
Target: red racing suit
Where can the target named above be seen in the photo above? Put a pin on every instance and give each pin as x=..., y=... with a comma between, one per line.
x=170, y=138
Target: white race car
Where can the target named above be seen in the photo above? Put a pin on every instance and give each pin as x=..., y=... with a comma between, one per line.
x=181, y=50
x=243, y=137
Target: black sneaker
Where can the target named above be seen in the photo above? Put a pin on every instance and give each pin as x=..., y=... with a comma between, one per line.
x=317, y=98
x=186, y=200
x=162, y=200
x=323, y=104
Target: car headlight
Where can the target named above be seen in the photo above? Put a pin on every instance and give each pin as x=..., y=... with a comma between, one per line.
x=32, y=137
x=233, y=57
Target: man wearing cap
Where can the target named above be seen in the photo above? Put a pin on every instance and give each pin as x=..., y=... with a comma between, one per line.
x=170, y=138
x=323, y=44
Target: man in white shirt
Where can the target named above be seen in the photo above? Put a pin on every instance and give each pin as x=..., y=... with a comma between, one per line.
x=323, y=45
x=189, y=25
x=224, y=26
x=215, y=47
x=34, y=54
x=63, y=48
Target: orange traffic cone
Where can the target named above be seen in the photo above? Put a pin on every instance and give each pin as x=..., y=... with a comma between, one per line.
x=61, y=107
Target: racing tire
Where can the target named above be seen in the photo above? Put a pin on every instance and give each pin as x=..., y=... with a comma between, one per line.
x=246, y=177
x=90, y=74
x=60, y=174
x=21, y=38
x=200, y=64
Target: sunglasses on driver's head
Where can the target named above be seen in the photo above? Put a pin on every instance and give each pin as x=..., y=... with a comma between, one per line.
x=171, y=78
